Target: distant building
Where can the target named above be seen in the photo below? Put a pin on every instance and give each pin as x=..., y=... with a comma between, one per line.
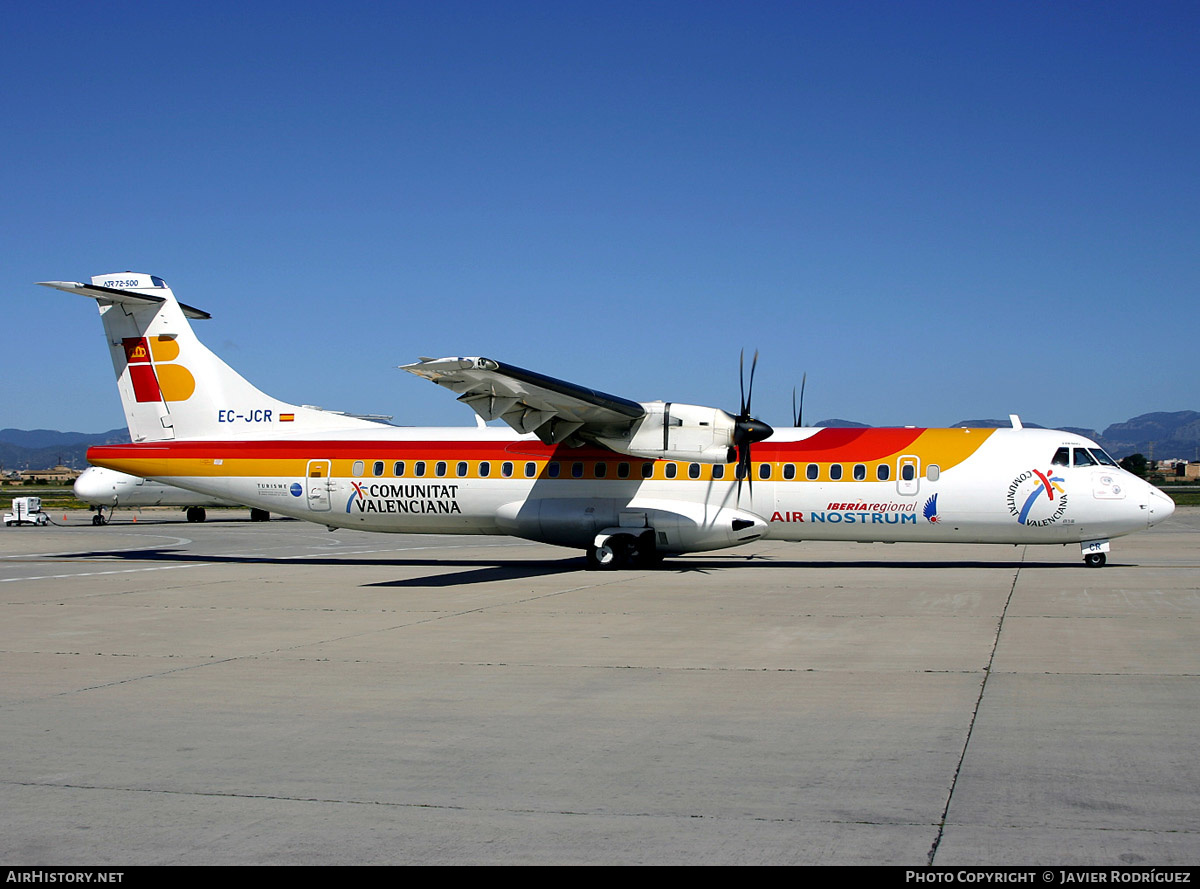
x=58, y=475
x=1179, y=469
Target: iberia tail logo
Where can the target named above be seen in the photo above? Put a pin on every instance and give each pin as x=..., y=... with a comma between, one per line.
x=151, y=371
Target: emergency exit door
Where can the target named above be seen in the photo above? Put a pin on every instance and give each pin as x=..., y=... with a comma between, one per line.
x=318, y=485
x=908, y=475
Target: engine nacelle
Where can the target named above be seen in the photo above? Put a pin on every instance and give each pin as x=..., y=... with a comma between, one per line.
x=686, y=432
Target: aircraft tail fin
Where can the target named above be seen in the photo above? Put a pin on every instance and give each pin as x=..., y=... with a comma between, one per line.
x=171, y=385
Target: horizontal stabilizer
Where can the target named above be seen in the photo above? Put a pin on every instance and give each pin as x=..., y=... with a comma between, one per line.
x=127, y=297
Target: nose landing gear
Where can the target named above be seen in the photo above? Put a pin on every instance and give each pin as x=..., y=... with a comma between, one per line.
x=1095, y=553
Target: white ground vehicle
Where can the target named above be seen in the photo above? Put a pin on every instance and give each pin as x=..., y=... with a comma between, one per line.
x=26, y=511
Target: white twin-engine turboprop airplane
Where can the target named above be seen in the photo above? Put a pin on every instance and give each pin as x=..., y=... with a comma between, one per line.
x=628, y=482
x=108, y=489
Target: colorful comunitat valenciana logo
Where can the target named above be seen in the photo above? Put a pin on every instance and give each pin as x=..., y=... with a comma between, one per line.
x=1037, y=498
x=152, y=373
x=413, y=499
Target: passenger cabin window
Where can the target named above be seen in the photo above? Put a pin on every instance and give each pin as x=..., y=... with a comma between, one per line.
x=530, y=470
x=1062, y=457
x=693, y=470
x=812, y=472
x=933, y=472
x=358, y=468
x=883, y=472
x=601, y=470
x=622, y=470
x=419, y=469
x=460, y=469
x=908, y=472
x=647, y=470
x=789, y=471
x=377, y=468
x=506, y=469
x=552, y=469
x=860, y=472
x=835, y=471
x=398, y=468
x=1083, y=458
x=439, y=468
x=485, y=469
x=672, y=470
x=576, y=470
x=764, y=470
x=719, y=471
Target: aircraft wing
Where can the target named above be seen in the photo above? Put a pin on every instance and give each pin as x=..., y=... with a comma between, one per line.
x=554, y=410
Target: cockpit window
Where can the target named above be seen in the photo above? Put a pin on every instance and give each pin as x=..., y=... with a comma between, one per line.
x=1062, y=457
x=1083, y=458
x=1102, y=457
x=157, y=282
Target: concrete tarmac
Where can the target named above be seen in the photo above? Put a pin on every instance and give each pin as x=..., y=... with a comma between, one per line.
x=247, y=693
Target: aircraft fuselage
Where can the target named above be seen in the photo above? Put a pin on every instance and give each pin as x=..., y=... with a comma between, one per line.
x=889, y=485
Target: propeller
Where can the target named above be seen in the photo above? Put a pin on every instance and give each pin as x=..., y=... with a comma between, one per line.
x=798, y=413
x=746, y=429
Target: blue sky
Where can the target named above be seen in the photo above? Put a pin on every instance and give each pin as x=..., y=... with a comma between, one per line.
x=939, y=211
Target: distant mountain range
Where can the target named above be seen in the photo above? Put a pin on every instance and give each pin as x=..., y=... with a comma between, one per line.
x=45, y=448
x=1160, y=435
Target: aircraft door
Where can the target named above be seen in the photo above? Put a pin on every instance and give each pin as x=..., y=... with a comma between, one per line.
x=908, y=475
x=318, y=484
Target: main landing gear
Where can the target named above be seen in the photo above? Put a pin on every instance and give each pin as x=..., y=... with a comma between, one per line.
x=1095, y=560
x=197, y=514
x=623, y=551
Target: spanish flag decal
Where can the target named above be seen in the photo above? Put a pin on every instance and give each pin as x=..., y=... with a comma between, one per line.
x=287, y=418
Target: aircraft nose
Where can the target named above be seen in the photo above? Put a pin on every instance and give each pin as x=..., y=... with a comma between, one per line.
x=91, y=487
x=1159, y=506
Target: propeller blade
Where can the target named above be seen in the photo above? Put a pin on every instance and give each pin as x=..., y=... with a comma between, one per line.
x=798, y=413
x=747, y=430
x=742, y=384
x=750, y=388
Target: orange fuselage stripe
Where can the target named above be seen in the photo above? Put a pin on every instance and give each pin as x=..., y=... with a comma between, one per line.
x=267, y=458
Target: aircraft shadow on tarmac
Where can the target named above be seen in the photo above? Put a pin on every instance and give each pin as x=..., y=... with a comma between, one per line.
x=478, y=571
x=521, y=569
